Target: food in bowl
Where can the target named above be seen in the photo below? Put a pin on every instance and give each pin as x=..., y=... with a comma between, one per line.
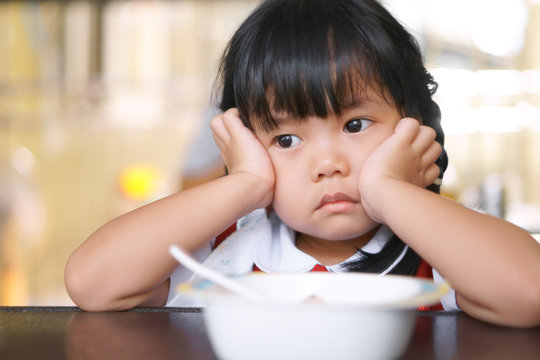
x=314, y=315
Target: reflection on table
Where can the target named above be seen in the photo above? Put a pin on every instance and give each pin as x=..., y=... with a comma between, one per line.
x=178, y=333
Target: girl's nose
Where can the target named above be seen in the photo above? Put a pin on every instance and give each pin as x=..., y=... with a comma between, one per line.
x=328, y=162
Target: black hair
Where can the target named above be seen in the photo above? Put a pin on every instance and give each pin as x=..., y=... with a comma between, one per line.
x=312, y=58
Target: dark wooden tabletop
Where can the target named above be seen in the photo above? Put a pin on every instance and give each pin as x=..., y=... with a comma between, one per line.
x=179, y=333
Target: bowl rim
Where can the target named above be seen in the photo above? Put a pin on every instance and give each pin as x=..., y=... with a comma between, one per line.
x=210, y=293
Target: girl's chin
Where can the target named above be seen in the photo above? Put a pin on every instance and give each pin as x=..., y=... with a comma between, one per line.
x=333, y=228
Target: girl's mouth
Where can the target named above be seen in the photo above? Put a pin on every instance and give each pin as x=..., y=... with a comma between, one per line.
x=336, y=202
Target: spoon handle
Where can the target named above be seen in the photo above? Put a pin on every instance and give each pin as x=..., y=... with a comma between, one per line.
x=188, y=261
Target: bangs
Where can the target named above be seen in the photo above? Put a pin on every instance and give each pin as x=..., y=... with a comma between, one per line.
x=319, y=81
x=307, y=62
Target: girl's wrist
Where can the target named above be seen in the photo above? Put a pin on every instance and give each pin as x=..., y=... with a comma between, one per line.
x=373, y=193
x=257, y=192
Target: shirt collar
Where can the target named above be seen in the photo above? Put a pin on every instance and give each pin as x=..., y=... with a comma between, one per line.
x=277, y=251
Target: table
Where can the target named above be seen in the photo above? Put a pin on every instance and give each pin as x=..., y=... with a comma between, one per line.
x=178, y=333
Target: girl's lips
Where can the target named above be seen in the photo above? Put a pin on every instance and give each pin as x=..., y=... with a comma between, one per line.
x=338, y=200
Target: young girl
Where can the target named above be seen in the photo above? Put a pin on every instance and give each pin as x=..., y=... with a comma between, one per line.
x=334, y=154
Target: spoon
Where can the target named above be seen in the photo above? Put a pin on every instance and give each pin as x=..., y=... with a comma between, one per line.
x=188, y=261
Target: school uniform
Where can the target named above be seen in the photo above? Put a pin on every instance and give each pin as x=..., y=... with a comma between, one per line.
x=265, y=243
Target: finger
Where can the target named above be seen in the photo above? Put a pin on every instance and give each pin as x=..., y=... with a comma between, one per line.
x=407, y=129
x=216, y=124
x=219, y=133
x=431, y=175
x=233, y=112
x=431, y=155
x=218, y=129
x=424, y=139
x=219, y=142
x=233, y=123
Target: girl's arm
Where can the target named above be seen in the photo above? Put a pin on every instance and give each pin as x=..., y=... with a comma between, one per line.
x=126, y=263
x=493, y=265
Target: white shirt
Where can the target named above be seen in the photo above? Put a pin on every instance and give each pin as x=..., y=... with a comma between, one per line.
x=269, y=243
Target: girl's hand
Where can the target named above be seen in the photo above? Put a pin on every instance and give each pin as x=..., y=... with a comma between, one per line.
x=408, y=155
x=242, y=152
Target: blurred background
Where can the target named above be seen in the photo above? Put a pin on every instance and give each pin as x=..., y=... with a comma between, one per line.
x=104, y=106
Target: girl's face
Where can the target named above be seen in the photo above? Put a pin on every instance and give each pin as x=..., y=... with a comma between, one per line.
x=317, y=163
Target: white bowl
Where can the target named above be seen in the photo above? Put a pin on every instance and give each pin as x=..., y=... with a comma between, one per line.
x=315, y=315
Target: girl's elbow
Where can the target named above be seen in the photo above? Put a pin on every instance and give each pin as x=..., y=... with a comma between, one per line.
x=529, y=306
x=81, y=291
x=77, y=288
x=524, y=308
x=86, y=298
x=519, y=307
x=91, y=293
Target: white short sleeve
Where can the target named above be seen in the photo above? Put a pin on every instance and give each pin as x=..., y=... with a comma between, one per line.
x=448, y=300
x=181, y=275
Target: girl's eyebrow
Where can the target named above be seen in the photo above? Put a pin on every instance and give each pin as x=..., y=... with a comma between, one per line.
x=283, y=120
x=282, y=123
x=364, y=101
x=282, y=117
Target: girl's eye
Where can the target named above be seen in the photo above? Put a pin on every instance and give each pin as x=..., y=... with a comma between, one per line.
x=288, y=141
x=357, y=125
